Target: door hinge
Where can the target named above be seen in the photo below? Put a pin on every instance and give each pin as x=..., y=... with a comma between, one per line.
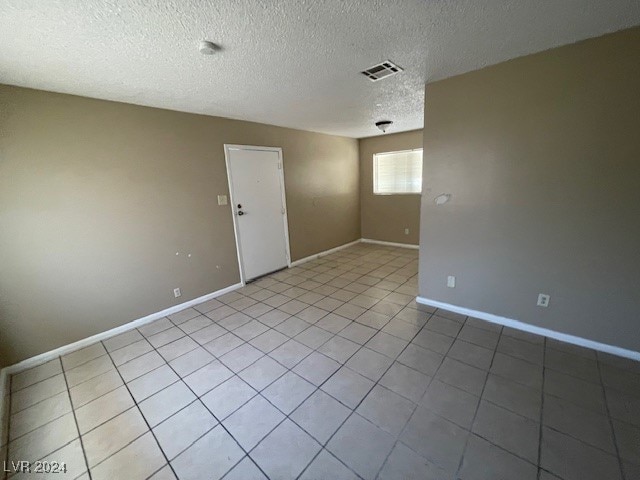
x=282, y=211
x=279, y=166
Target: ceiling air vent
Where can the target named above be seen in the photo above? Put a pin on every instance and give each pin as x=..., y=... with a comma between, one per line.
x=382, y=70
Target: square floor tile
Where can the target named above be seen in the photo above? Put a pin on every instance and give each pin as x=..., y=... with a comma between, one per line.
x=138, y=367
x=44, y=440
x=223, y=344
x=208, y=377
x=574, y=365
x=362, y=446
x=83, y=355
x=389, y=309
x=273, y=318
x=320, y=415
x=245, y=470
x=443, y=325
x=438, y=440
x=484, y=461
x=179, y=347
x=333, y=323
x=37, y=392
x=523, y=400
x=261, y=373
x=521, y=349
x=316, y=368
x=311, y=314
x=228, y=397
x=73, y=456
x=313, y=337
x=88, y=370
x=517, y=370
x=348, y=387
x=37, y=415
x=207, y=306
x=479, y=336
x=181, y=430
x=285, y=452
x=219, y=313
x=184, y=315
x=211, y=457
x=471, y=354
x=195, y=324
x=434, y=341
x=404, y=464
x=585, y=425
x=166, y=402
x=164, y=337
x=369, y=363
x=122, y=340
x=152, y=382
x=235, y=320
x=386, y=409
x=339, y=349
x=401, y=329
x=207, y=334
x=571, y=459
x=138, y=460
x=628, y=439
x=113, y=435
x=288, y=392
x=252, y=422
x=517, y=434
x=386, y=344
x=421, y=359
x=290, y=353
x=35, y=374
x=250, y=330
x=451, y=403
x=241, y=357
x=357, y=333
x=191, y=361
x=156, y=326
x=327, y=467
x=292, y=326
x=405, y=381
x=269, y=340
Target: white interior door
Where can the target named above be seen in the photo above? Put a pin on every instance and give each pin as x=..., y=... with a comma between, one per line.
x=256, y=182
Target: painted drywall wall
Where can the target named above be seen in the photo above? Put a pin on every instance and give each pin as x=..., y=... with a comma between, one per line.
x=385, y=217
x=97, y=197
x=541, y=156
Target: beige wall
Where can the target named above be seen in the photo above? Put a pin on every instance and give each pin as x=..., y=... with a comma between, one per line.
x=96, y=197
x=542, y=156
x=385, y=217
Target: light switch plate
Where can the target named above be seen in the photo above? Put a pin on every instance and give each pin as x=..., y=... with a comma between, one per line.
x=222, y=199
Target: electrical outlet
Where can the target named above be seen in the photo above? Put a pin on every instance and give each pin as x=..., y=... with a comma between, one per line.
x=451, y=281
x=543, y=300
x=406, y=231
x=176, y=292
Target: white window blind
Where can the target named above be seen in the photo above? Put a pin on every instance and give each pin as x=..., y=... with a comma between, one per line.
x=397, y=172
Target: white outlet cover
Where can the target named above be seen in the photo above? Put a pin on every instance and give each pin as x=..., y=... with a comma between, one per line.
x=451, y=281
x=222, y=200
x=543, y=300
x=176, y=292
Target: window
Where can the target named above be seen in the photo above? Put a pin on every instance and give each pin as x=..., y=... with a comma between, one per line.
x=397, y=172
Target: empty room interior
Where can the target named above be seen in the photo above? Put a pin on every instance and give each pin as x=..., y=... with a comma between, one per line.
x=320, y=240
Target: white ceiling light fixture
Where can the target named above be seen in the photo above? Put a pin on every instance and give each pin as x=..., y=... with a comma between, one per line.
x=383, y=125
x=208, y=48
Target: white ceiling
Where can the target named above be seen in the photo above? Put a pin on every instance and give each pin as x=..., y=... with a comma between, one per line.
x=293, y=63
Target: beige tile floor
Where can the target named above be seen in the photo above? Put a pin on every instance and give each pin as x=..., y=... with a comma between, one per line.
x=329, y=370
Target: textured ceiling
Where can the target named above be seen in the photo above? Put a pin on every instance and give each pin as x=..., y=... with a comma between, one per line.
x=293, y=63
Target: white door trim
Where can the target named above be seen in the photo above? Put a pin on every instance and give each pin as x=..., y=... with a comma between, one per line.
x=227, y=148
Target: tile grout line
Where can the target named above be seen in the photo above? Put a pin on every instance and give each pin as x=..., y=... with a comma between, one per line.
x=135, y=402
x=75, y=419
x=544, y=368
x=613, y=432
x=475, y=413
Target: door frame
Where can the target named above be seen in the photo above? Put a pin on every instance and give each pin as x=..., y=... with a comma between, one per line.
x=227, y=148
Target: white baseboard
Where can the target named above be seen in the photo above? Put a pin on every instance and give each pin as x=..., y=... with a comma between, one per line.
x=85, y=342
x=322, y=254
x=527, y=327
x=390, y=244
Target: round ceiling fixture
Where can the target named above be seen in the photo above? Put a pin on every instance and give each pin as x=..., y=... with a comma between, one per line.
x=383, y=125
x=208, y=48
